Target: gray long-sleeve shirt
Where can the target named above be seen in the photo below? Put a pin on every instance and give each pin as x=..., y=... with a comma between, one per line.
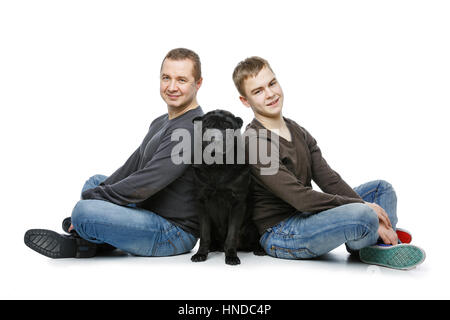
x=150, y=179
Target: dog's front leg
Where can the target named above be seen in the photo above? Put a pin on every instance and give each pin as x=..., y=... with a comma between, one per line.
x=231, y=242
x=205, y=239
x=230, y=248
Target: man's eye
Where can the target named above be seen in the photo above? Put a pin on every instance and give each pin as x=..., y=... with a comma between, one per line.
x=257, y=92
x=273, y=83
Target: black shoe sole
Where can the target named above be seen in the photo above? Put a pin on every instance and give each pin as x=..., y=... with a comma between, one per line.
x=56, y=246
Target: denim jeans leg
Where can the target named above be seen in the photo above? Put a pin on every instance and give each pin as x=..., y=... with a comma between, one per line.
x=134, y=230
x=382, y=193
x=93, y=182
x=307, y=235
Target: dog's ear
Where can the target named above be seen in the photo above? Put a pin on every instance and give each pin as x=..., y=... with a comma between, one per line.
x=199, y=118
x=239, y=122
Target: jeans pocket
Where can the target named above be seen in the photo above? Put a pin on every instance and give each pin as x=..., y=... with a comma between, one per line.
x=165, y=248
x=287, y=253
x=173, y=243
x=282, y=228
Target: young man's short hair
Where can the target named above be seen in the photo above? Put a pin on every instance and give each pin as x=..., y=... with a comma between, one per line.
x=250, y=67
x=183, y=53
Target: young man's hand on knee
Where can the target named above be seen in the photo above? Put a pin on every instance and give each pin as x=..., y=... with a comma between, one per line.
x=387, y=234
x=382, y=215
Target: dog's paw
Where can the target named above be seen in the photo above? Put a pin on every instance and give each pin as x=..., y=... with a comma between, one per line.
x=232, y=261
x=259, y=252
x=198, y=257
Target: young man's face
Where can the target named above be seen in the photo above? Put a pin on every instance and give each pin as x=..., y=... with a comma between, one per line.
x=263, y=94
x=178, y=87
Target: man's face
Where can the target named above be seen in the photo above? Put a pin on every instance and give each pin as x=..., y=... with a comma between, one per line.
x=178, y=87
x=263, y=94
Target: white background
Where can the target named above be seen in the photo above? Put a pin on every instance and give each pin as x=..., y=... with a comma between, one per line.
x=79, y=86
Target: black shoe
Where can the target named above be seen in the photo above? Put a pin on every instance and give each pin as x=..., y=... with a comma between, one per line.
x=354, y=253
x=102, y=247
x=55, y=245
x=67, y=222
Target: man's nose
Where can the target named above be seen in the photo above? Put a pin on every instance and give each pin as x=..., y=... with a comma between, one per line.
x=269, y=93
x=172, y=86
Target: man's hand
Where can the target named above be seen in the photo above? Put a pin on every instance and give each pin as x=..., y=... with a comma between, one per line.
x=385, y=231
x=382, y=215
x=387, y=234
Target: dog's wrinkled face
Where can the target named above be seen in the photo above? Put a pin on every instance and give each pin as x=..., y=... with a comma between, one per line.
x=219, y=119
x=218, y=129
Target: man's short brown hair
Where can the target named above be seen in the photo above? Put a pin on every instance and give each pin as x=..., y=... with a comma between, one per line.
x=250, y=67
x=183, y=53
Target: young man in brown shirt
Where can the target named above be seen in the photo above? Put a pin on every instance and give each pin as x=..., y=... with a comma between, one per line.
x=297, y=222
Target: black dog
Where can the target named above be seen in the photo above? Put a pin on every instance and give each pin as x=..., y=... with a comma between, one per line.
x=223, y=194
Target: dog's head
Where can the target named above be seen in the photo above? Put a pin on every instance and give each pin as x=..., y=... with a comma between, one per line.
x=220, y=132
x=219, y=119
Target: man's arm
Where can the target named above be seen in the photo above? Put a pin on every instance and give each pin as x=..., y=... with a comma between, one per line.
x=159, y=172
x=327, y=179
x=331, y=182
x=130, y=166
x=286, y=186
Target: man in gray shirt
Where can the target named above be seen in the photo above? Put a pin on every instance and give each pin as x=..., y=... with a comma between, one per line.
x=147, y=206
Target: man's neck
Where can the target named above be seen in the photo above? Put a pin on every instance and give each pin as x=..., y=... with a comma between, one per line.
x=176, y=112
x=275, y=124
x=271, y=123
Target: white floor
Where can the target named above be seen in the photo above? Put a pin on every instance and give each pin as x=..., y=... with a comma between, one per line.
x=28, y=275
x=79, y=88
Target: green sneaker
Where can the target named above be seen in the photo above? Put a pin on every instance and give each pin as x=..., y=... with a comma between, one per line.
x=401, y=256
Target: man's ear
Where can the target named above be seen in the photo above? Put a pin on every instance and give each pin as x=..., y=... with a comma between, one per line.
x=244, y=101
x=198, y=83
x=199, y=118
x=239, y=122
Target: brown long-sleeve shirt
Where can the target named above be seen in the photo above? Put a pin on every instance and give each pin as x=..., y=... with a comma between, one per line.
x=279, y=196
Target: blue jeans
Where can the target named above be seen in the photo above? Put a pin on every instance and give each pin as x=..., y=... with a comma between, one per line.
x=306, y=235
x=131, y=229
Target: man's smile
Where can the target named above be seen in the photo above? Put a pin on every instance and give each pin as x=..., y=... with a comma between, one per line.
x=273, y=103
